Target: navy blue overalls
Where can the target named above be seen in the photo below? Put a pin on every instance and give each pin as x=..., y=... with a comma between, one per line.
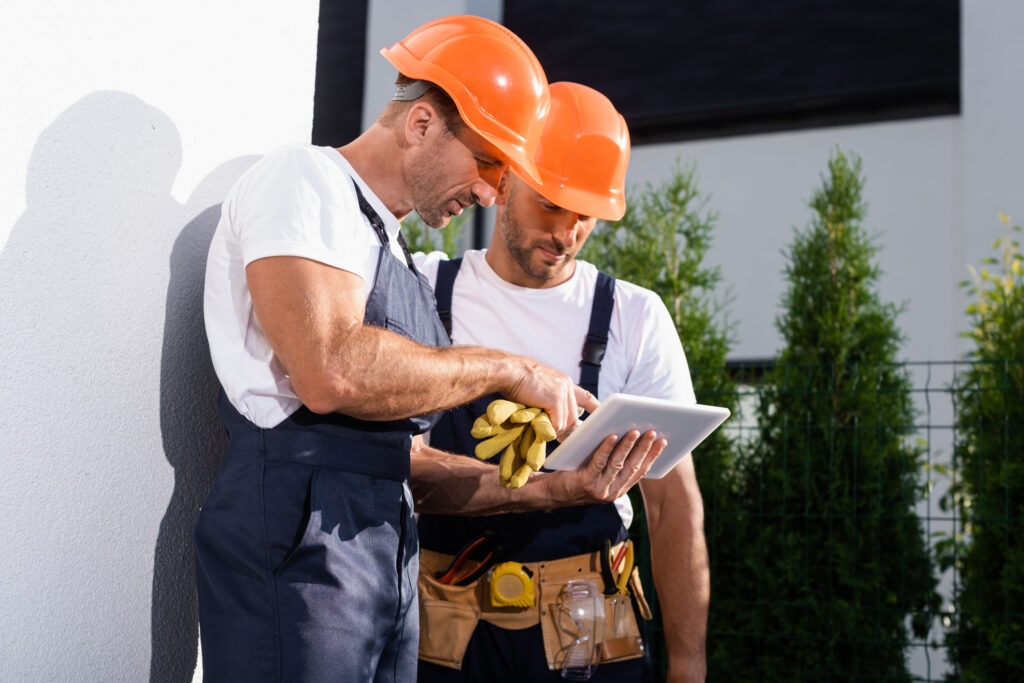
x=306, y=546
x=497, y=654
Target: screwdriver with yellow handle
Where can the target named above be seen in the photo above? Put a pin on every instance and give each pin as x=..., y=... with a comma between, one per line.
x=627, y=569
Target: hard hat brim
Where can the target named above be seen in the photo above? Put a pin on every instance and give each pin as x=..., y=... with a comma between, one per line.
x=606, y=206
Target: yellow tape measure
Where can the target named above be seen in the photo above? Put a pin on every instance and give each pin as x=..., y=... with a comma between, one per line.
x=511, y=586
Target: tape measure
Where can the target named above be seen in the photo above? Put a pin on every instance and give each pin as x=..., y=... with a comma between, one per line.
x=511, y=585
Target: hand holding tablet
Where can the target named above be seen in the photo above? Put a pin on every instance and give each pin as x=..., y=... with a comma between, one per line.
x=684, y=426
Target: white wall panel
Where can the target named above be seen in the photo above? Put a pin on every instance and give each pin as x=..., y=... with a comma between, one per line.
x=124, y=123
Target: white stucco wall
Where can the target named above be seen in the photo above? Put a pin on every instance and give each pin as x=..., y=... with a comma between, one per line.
x=123, y=125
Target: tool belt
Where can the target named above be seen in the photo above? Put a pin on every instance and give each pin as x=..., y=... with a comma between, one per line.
x=449, y=613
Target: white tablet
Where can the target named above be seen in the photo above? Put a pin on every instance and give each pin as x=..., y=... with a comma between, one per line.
x=682, y=425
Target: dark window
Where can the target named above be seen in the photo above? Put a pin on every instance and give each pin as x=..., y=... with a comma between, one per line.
x=340, y=57
x=684, y=69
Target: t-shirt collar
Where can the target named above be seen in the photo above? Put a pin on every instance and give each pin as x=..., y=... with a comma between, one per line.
x=391, y=224
x=490, y=274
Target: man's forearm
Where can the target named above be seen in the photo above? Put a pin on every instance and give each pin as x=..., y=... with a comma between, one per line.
x=448, y=484
x=375, y=374
x=679, y=563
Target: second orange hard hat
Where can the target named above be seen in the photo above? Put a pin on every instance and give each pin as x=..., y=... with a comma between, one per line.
x=494, y=79
x=583, y=153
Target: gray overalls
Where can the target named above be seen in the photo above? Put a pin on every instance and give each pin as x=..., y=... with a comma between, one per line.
x=306, y=547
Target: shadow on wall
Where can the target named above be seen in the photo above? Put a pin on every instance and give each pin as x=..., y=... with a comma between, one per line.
x=104, y=363
x=194, y=438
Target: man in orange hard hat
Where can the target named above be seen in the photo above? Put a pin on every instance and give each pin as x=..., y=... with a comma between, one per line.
x=528, y=294
x=331, y=358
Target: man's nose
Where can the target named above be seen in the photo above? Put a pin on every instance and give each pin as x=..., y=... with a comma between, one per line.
x=484, y=193
x=567, y=231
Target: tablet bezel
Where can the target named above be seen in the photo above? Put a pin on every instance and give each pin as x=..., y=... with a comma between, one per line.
x=683, y=425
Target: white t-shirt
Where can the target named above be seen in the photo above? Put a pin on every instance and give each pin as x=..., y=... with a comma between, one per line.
x=296, y=201
x=643, y=356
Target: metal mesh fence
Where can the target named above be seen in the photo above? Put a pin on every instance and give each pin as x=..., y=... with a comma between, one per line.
x=863, y=523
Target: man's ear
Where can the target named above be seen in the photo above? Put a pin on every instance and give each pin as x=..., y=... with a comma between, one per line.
x=504, y=187
x=418, y=121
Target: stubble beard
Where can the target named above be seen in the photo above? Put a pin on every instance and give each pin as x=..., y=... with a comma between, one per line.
x=435, y=218
x=433, y=215
x=522, y=253
x=423, y=185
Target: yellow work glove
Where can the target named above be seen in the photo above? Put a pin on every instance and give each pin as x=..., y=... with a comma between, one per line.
x=520, y=432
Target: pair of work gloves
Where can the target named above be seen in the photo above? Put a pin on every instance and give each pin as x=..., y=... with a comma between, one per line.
x=519, y=433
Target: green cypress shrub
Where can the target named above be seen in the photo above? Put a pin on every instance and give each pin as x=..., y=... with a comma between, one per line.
x=986, y=638
x=421, y=237
x=662, y=244
x=836, y=562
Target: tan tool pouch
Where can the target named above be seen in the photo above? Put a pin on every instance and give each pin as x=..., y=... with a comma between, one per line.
x=621, y=634
x=448, y=615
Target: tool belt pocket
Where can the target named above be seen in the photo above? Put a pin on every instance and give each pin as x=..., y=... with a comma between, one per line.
x=448, y=617
x=618, y=640
x=622, y=634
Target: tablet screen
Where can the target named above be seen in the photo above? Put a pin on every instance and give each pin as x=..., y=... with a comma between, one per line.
x=682, y=425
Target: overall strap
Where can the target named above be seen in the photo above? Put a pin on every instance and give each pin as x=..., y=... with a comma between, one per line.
x=378, y=225
x=446, y=273
x=597, y=336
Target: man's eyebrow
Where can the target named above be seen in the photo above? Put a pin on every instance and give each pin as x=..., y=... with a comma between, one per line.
x=488, y=160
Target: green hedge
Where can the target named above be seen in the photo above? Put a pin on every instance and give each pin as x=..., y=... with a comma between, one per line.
x=986, y=637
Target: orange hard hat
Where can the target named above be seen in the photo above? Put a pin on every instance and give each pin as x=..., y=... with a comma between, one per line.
x=583, y=153
x=491, y=75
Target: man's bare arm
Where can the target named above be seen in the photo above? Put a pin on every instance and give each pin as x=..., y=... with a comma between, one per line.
x=312, y=316
x=448, y=484
x=679, y=563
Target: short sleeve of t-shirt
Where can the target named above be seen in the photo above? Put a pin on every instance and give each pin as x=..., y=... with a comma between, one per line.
x=298, y=202
x=656, y=360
